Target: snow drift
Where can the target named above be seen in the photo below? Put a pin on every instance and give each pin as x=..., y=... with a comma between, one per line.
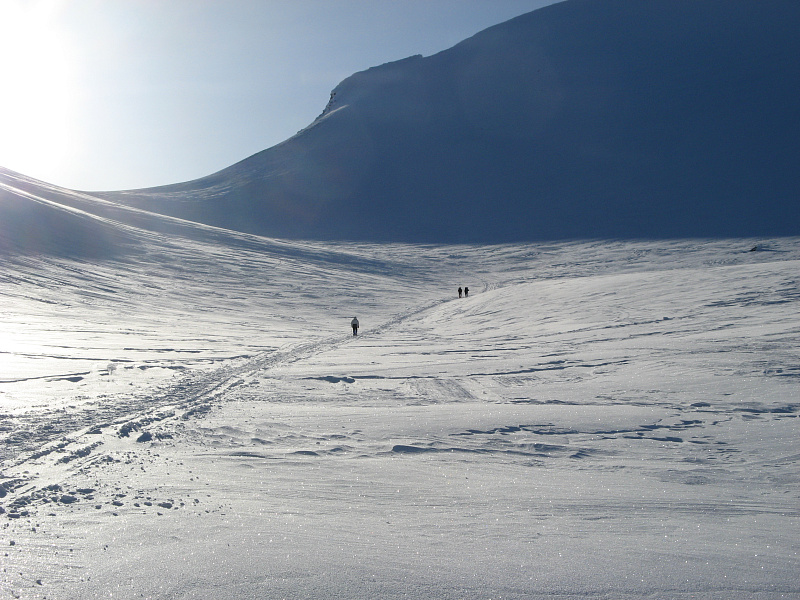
x=669, y=118
x=598, y=420
x=32, y=221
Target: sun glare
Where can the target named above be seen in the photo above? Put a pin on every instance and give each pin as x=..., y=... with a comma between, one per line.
x=37, y=86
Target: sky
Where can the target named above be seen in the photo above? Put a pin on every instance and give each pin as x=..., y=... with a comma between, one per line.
x=124, y=94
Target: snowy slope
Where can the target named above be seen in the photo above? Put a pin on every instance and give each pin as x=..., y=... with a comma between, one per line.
x=33, y=221
x=584, y=119
x=598, y=420
x=185, y=414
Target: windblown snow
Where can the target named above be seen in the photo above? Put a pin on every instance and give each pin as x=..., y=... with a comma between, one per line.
x=597, y=420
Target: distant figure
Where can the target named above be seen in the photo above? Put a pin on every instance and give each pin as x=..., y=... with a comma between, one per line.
x=466, y=292
x=459, y=292
x=354, y=324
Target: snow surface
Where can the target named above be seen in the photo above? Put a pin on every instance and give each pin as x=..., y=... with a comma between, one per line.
x=606, y=420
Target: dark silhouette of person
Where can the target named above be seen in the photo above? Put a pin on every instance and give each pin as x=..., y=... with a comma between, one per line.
x=459, y=292
x=354, y=325
x=466, y=292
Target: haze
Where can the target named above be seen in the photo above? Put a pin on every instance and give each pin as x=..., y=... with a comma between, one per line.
x=134, y=93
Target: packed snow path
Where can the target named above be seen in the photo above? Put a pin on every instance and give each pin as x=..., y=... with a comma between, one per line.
x=599, y=427
x=192, y=394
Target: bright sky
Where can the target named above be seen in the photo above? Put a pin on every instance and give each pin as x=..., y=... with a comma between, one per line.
x=121, y=94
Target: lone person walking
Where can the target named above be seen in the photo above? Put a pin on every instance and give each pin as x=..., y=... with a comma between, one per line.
x=354, y=325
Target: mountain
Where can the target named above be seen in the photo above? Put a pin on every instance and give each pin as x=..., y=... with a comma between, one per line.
x=599, y=419
x=584, y=119
x=612, y=118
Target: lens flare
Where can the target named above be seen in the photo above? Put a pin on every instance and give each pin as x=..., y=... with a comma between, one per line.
x=37, y=86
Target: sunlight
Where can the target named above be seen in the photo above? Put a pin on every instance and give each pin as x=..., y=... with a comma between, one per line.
x=37, y=86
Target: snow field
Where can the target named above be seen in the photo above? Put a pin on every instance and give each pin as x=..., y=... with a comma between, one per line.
x=595, y=420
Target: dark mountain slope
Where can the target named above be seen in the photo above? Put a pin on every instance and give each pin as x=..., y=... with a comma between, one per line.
x=589, y=118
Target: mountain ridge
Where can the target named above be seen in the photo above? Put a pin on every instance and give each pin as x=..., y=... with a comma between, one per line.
x=583, y=119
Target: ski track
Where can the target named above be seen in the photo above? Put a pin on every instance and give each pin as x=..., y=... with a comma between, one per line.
x=193, y=394
x=633, y=415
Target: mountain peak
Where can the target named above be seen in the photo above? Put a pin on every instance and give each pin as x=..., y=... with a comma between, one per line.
x=613, y=118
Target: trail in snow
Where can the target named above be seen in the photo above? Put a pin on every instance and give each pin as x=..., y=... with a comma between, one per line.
x=193, y=393
x=625, y=429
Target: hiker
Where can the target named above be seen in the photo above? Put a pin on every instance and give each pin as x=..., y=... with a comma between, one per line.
x=459, y=292
x=354, y=324
x=466, y=292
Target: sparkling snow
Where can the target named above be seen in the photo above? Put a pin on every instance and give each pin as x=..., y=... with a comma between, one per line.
x=597, y=420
